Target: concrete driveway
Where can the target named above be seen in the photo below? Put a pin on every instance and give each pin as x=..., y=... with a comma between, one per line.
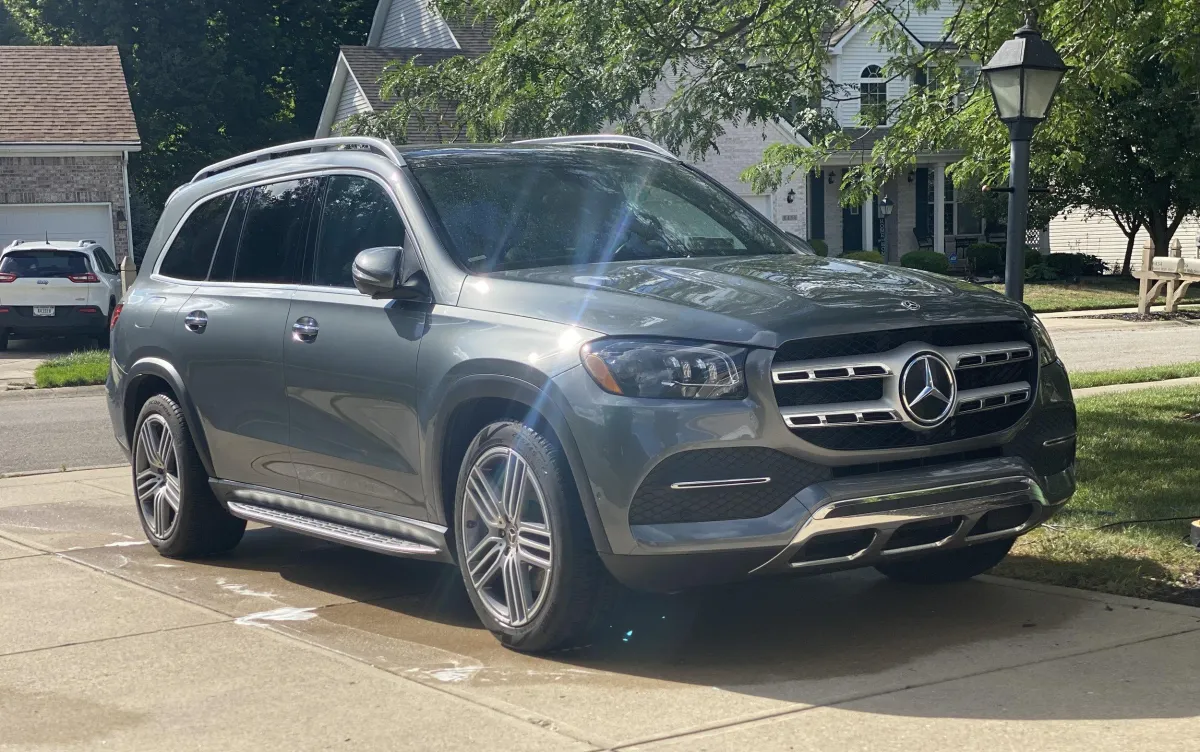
x=1105, y=344
x=290, y=643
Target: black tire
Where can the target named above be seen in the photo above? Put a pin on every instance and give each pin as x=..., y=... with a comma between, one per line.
x=202, y=527
x=102, y=340
x=949, y=566
x=578, y=589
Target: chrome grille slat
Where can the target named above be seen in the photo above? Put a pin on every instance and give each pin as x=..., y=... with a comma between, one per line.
x=844, y=369
x=1008, y=394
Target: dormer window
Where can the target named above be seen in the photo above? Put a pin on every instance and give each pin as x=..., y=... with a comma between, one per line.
x=872, y=96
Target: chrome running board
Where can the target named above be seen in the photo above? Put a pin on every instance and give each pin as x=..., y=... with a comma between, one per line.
x=331, y=531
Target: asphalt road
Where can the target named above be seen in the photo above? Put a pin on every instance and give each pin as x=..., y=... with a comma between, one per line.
x=55, y=429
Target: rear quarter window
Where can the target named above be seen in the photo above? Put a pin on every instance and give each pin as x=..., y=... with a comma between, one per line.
x=191, y=252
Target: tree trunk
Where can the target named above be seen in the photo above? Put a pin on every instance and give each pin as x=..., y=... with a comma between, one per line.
x=1127, y=267
x=1159, y=232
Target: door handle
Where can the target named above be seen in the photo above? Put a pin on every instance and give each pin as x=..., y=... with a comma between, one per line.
x=196, y=321
x=305, y=329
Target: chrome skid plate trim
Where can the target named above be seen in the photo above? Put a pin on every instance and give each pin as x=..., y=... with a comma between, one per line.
x=331, y=531
x=691, y=485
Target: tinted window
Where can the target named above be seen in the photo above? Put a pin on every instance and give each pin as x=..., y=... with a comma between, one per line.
x=275, y=233
x=539, y=209
x=44, y=263
x=191, y=252
x=103, y=261
x=222, y=265
x=358, y=214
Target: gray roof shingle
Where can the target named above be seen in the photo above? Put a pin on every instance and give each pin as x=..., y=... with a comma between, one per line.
x=64, y=95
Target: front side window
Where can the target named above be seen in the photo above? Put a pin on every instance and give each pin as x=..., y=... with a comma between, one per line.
x=872, y=96
x=522, y=210
x=191, y=252
x=357, y=214
x=275, y=232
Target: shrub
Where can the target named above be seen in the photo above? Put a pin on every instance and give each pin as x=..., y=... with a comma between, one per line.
x=875, y=257
x=987, y=259
x=1040, y=272
x=820, y=246
x=1033, y=257
x=1075, y=265
x=930, y=261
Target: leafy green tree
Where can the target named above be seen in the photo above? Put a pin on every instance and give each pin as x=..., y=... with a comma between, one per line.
x=208, y=78
x=10, y=32
x=562, y=66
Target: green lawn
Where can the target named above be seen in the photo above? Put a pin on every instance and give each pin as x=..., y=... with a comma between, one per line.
x=77, y=369
x=1088, y=294
x=1086, y=379
x=1138, y=460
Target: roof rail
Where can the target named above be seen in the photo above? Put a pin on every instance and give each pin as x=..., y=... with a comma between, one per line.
x=606, y=139
x=377, y=145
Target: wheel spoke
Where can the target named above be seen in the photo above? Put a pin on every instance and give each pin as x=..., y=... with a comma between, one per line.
x=514, y=485
x=149, y=445
x=164, y=447
x=533, y=545
x=483, y=498
x=515, y=590
x=171, y=491
x=485, y=560
x=147, y=482
x=160, y=512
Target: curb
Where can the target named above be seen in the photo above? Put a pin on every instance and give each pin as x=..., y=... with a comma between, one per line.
x=1092, y=391
x=1094, y=596
x=28, y=473
x=61, y=391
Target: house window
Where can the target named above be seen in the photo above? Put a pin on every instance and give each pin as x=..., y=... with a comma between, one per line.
x=961, y=218
x=872, y=96
x=968, y=78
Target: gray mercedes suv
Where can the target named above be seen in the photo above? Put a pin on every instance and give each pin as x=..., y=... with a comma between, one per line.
x=561, y=366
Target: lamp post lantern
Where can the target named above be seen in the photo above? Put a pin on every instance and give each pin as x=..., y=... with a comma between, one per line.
x=1023, y=76
x=885, y=211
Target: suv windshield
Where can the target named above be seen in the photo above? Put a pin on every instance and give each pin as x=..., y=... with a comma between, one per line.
x=44, y=263
x=521, y=209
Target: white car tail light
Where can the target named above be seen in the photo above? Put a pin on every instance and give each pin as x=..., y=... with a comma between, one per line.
x=87, y=278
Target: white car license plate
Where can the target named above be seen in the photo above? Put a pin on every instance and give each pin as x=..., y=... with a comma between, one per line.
x=43, y=310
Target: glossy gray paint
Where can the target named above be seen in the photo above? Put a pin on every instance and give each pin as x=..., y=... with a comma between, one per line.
x=359, y=415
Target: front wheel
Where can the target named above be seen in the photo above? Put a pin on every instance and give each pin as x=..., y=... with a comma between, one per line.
x=949, y=566
x=522, y=543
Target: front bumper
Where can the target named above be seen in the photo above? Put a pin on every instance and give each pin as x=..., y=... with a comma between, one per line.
x=19, y=321
x=861, y=509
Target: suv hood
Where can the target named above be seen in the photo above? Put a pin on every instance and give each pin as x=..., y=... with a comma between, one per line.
x=759, y=300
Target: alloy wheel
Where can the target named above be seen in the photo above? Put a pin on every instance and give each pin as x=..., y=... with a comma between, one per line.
x=506, y=537
x=156, y=476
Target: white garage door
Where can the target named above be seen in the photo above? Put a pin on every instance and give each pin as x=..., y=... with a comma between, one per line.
x=60, y=222
x=760, y=202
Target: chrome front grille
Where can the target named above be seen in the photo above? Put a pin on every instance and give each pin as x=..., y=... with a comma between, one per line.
x=995, y=385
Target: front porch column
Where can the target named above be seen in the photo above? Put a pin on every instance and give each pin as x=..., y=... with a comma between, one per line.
x=868, y=226
x=939, y=208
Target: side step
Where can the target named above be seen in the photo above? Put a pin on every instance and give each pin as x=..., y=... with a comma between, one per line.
x=331, y=531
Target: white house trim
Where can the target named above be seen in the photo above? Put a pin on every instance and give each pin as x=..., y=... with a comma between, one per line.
x=865, y=20
x=75, y=150
x=334, y=97
x=128, y=209
x=379, y=22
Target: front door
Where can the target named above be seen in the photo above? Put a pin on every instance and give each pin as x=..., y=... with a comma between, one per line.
x=852, y=237
x=351, y=363
x=231, y=333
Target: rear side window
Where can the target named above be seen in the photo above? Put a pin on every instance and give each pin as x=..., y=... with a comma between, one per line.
x=357, y=214
x=44, y=264
x=103, y=261
x=222, y=266
x=276, y=232
x=191, y=252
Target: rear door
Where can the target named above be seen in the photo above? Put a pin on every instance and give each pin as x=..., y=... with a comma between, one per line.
x=351, y=380
x=45, y=280
x=110, y=279
x=231, y=332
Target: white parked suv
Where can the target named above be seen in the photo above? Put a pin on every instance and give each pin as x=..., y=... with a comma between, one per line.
x=54, y=289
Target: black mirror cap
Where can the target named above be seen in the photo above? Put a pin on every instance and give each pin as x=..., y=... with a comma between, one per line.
x=381, y=273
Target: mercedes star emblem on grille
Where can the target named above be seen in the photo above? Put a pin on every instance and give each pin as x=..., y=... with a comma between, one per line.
x=927, y=389
x=910, y=305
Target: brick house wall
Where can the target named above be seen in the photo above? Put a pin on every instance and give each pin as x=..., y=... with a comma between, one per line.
x=68, y=180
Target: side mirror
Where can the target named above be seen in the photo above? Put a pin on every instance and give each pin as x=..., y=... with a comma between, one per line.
x=383, y=274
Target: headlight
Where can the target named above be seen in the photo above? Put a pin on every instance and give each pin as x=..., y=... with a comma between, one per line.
x=1046, y=354
x=666, y=369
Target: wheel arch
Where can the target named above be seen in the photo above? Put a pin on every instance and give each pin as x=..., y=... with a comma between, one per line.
x=473, y=402
x=150, y=376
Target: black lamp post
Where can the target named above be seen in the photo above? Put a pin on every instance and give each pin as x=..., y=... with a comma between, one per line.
x=885, y=211
x=1023, y=76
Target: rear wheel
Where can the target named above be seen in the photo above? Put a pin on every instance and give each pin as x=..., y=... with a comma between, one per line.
x=949, y=566
x=179, y=514
x=522, y=543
